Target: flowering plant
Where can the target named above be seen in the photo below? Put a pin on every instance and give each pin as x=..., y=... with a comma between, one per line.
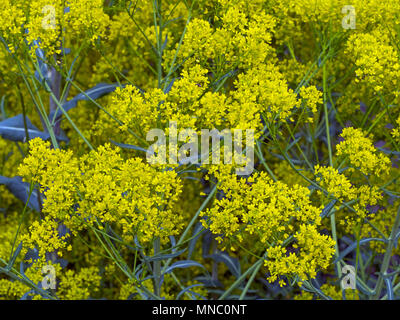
x=311, y=95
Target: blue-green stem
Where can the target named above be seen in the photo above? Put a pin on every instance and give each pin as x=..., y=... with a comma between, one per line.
x=191, y=223
x=387, y=256
x=328, y=140
x=157, y=268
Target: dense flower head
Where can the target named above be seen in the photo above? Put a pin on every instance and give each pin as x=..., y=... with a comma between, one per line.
x=11, y=20
x=342, y=189
x=43, y=23
x=315, y=253
x=236, y=40
x=302, y=94
x=396, y=131
x=375, y=59
x=99, y=188
x=312, y=98
x=361, y=152
x=335, y=183
x=274, y=214
x=264, y=92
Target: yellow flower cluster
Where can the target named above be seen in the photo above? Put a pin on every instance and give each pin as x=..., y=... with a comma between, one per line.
x=376, y=60
x=47, y=22
x=237, y=39
x=335, y=183
x=45, y=236
x=396, y=131
x=312, y=98
x=140, y=112
x=55, y=172
x=264, y=90
x=340, y=188
x=361, y=153
x=99, y=188
x=274, y=214
x=86, y=19
x=11, y=20
x=331, y=291
x=315, y=253
x=259, y=93
x=131, y=193
x=79, y=285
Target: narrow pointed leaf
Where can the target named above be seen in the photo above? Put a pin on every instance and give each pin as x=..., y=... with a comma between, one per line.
x=165, y=256
x=14, y=129
x=183, y=264
x=197, y=232
x=14, y=257
x=328, y=208
x=129, y=146
x=20, y=190
x=94, y=93
x=232, y=263
x=354, y=245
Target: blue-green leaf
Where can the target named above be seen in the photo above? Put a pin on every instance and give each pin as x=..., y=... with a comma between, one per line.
x=165, y=256
x=129, y=146
x=14, y=257
x=354, y=245
x=389, y=288
x=233, y=264
x=187, y=289
x=21, y=190
x=94, y=93
x=183, y=264
x=328, y=208
x=14, y=129
x=197, y=232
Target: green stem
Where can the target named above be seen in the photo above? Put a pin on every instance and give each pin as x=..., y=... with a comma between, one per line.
x=192, y=222
x=328, y=139
x=248, y=284
x=387, y=256
x=261, y=157
x=241, y=279
x=157, y=267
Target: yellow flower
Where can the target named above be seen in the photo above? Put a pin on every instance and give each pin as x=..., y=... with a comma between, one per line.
x=99, y=188
x=361, y=153
x=376, y=60
x=396, y=131
x=270, y=213
x=312, y=97
x=45, y=21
